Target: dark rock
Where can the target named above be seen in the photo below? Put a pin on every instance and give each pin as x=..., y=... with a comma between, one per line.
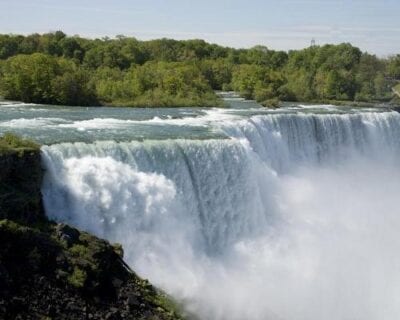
x=67, y=234
x=20, y=183
x=117, y=283
x=4, y=277
x=132, y=300
x=148, y=314
x=109, y=290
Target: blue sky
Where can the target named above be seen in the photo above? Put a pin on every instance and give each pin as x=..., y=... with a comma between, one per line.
x=374, y=26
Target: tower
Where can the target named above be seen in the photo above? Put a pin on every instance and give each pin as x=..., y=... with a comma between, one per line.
x=312, y=42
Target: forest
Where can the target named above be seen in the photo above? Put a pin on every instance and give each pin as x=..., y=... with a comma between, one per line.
x=54, y=68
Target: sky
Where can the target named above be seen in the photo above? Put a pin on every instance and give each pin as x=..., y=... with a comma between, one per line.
x=374, y=26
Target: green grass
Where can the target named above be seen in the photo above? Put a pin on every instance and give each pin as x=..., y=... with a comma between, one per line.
x=78, y=278
x=10, y=143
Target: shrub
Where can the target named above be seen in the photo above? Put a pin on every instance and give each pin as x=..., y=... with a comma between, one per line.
x=78, y=278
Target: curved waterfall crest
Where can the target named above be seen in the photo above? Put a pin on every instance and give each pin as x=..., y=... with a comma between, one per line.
x=248, y=226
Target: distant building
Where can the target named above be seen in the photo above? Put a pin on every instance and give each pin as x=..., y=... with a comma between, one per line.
x=313, y=42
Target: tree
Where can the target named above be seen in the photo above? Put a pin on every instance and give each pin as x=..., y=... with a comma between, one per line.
x=72, y=86
x=28, y=78
x=217, y=72
x=393, y=68
x=41, y=78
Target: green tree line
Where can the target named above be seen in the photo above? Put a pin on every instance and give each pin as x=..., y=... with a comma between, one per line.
x=54, y=68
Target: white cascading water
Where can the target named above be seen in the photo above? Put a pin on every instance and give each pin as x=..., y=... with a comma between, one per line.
x=294, y=217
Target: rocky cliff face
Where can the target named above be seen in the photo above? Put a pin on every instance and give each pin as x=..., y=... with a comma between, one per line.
x=20, y=181
x=53, y=271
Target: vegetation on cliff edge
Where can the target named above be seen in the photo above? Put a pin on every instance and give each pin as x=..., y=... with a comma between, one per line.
x=10, y=143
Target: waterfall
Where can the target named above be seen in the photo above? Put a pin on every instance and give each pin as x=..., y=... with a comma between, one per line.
x=292, y=216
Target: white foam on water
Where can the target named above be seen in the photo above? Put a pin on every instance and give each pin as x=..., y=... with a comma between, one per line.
x=318, y=106
x=98, y=123
x=7, y=104
x=210, y=117
x=32, y=123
